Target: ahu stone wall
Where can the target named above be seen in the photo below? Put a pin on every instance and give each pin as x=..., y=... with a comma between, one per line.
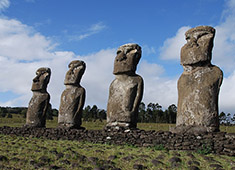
x=216, y=142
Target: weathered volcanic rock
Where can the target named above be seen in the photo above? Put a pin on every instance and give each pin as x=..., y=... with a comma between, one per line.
x=73, y=97
x=126, y=90
x=199, y=84
x=39, y=103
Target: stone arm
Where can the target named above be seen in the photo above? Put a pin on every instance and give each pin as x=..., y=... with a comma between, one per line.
x=134, y=96
x=46, y=106
x=81, y=103
x=221, y=79
x=139, y=95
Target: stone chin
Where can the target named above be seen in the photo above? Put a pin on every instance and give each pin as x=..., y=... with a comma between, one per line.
x=124, y=68
x=127, y=72
x=40, y=86
x=37, y=87
x=72, y=79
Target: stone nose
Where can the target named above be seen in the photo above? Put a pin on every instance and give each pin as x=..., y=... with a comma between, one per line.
x=36, y=79
x=121, y=56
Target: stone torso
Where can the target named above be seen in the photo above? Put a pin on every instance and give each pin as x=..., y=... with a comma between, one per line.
x=36, y=113
x=70, y=110
x=198, y=97
x=124, y=91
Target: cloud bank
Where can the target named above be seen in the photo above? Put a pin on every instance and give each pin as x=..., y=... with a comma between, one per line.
x=23, y=51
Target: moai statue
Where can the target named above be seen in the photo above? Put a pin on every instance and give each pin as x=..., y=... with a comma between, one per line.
x=199, y=84
x=126, y=90
x=38, y=105
x=73, y=97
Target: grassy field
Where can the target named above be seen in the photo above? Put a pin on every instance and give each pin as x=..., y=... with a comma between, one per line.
x=32, y=153
x=18, y=121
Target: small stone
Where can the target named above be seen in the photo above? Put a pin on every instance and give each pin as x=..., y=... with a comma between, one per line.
x=99, y=168
x=193, y=168
x=161, y=157
x=190, y=155
x=193, y=162
x=3, y=158
x=217, y=166
x=112, y=157
x=126, y=131
x=93, y=160
x=199, y=137
x=138, y=166
x=156, y=162
x=59, y=155
x=54, y=167
x=175, y=159
x=67, y=162
x=15, y=159
x=39, y=165
x=82, y=158
x=44, y=159
x=128, y=158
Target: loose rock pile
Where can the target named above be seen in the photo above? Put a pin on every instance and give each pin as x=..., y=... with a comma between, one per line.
x=219, y=142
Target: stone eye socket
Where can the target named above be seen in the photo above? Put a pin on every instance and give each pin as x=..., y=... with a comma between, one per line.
x=119, y=51
x=188, y=38
x=128, y=50
x=201, y=35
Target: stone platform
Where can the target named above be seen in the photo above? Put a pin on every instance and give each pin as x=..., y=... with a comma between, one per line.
x=217, y=142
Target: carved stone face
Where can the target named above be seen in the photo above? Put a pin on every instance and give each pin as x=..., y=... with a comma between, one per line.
x=42, y=79
x=75, y=72
x=199, y=45
x=127, y=58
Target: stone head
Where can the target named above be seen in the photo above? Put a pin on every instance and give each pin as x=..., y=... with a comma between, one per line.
x=42, y=79
x=75, y=72
x=198, y=48
x=127, y=58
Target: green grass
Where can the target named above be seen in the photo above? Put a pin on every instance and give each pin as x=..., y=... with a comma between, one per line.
x=32, y=153
x=18, y=121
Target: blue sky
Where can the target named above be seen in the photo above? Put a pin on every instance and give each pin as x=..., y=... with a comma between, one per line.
x=38, y=33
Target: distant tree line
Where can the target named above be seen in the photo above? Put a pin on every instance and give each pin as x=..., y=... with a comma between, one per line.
x=152, y=113
x=8, y=111
x=226, y=119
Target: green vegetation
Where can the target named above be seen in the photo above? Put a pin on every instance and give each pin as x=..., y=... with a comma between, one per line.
x=18, y=121
x=204, y=150
x=32, y=153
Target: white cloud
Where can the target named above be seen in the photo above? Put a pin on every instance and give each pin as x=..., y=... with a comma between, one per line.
x=4, y=4
x=157, y=88
x=148, y=50
x=223, y=53
x=20, y=42
x=23, y=51
x=94, y=29
x=171, y=47
x=227, y=96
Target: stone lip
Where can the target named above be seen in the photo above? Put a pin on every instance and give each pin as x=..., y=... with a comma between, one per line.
x=217, y=142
